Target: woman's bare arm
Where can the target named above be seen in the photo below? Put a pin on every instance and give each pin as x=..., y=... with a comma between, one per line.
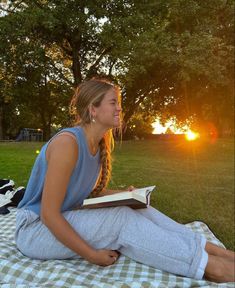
x=62, y=155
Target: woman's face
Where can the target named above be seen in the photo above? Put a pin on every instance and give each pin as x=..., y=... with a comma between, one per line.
x=108, y=113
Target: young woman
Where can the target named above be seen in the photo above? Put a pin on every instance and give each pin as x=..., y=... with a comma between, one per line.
x=74, y=164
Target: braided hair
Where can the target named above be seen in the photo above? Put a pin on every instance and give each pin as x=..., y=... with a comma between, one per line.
x=88, y=93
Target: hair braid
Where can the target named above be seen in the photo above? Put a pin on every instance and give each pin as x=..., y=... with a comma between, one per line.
x=105, y=159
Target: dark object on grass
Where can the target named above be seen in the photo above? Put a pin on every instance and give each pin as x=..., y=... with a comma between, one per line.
x=5, y=185
x=15, y=200
x=4, y=210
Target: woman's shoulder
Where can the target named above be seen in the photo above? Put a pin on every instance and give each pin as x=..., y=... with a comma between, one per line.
x=64, y=143
x=66, y=134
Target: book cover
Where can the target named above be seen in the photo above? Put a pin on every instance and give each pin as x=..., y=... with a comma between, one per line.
x=137, y=198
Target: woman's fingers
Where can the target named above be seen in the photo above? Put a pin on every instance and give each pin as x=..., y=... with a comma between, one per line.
x=114, y=255
x=104, y=257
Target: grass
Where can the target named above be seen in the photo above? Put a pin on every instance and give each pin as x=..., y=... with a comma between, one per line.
x=195, y=180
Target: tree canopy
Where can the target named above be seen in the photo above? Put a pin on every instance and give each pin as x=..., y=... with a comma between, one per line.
x=170, y=57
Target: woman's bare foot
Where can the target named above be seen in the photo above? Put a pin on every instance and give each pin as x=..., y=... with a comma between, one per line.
x=220, y=269
x=231, y=255
x=215, y=250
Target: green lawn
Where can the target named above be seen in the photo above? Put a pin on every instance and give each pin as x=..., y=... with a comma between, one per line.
x=195, y=181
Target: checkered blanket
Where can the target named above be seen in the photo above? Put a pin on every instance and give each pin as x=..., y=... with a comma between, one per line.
x=19, y=271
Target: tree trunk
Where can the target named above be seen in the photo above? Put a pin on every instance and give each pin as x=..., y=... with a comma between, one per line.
x=76, y=66
x=46, y=131
x=46, y=126
x=1, y=123
x=186, y=96
x=132, y=105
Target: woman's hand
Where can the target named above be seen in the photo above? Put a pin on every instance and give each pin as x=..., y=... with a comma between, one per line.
x=103, y=257
x=110, y=192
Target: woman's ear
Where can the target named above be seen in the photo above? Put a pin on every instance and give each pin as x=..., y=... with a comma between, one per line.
x=92, y=111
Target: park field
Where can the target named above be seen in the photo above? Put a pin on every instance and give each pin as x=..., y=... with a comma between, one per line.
x=195, y=180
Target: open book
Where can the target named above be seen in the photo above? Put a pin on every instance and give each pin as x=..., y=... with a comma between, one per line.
x=138, y=198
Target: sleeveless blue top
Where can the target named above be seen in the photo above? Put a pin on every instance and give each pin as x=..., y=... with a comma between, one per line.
x=82, y=180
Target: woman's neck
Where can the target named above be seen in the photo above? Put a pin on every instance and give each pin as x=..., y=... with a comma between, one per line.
x=93, y=137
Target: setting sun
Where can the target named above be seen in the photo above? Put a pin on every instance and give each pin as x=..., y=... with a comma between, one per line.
x=191, y=136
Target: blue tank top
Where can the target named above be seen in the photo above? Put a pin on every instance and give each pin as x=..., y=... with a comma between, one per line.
x=82, y=180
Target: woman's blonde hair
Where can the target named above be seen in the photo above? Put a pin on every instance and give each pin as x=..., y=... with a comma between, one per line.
x=92, y=92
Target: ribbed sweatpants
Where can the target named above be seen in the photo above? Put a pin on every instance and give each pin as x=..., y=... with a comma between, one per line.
x=144, y=235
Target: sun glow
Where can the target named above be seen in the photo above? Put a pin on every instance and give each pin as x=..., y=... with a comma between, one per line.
x=191, y=136
x=170, y=126
x=158, y=128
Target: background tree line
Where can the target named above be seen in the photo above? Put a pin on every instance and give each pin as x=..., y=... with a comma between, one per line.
x=172, y=58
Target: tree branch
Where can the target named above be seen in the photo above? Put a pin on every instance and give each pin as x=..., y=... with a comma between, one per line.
x=94, y=65
x=133, y=106
x=111, y=67
x=11, y=10
x=61, y=74
x=37, y=4
x=67, y=50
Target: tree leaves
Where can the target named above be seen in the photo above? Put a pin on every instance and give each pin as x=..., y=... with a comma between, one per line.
x=173, y=57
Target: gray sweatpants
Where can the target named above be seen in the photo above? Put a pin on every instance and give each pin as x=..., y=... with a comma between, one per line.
x=145, y=235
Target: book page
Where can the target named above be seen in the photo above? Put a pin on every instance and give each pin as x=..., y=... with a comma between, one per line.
x=112, y=197
x=144, y=191
x=139, y=194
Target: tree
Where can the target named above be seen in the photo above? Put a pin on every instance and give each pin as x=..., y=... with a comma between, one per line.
x=186, y=64
x=92, y=39
x=172, y=58
x=34, y=95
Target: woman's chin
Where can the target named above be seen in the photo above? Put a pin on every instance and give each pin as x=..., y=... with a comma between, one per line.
x=117, y=123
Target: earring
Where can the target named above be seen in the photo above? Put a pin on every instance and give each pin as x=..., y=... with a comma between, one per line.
x=93, y=120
